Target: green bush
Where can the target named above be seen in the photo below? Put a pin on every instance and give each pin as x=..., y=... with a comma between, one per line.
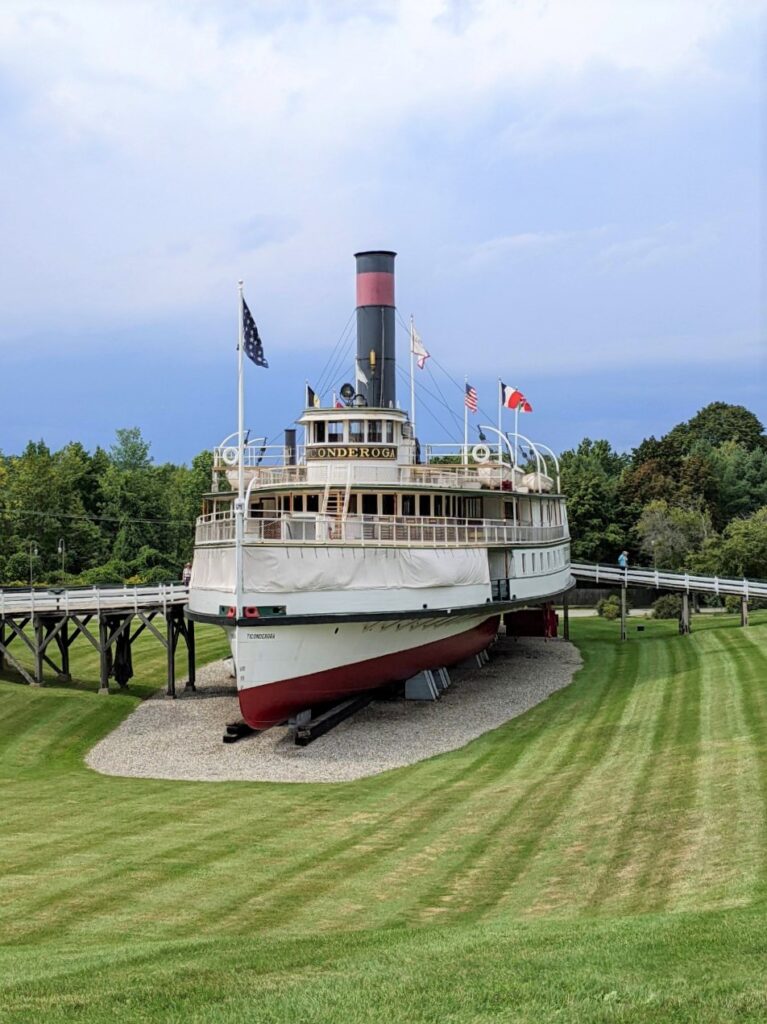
x=609, y=607
x=667, y=607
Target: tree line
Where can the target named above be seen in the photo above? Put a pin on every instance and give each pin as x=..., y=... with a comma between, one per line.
x=693, y=500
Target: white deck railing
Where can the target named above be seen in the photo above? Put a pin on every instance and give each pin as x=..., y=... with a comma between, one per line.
x=407, y=531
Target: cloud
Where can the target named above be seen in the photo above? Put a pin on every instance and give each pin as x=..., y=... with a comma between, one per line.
x=166, y=149
x=668, y=243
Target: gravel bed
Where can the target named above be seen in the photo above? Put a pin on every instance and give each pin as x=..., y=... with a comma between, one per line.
x=181, y=739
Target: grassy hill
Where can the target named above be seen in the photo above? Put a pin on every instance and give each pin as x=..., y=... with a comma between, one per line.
x=601, y=858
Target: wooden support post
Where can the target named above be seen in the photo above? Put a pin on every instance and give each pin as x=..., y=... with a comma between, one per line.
x=744, y=611
x=684, y=615
x=566, y=617
x=39, y=631
x=104, y=665
x=2, y=645
x=190, y=656
x=172, y=638
x=62, y=642
x=623, y=611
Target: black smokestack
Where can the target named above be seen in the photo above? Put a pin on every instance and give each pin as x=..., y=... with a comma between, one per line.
x=375, y=368
x=290, y=446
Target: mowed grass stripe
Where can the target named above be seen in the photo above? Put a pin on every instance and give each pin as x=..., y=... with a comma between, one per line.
x=577, y=871
x=514, y=827
x=728, y=839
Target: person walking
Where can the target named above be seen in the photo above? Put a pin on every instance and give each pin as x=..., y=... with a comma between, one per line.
x=623, y=560
x=186, y=575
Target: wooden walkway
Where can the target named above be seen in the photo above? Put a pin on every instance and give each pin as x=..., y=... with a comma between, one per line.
x=47, y=621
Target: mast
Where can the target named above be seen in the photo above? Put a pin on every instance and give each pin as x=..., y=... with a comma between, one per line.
x=412, y=376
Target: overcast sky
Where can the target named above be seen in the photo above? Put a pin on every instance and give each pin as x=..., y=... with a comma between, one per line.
x=574, y=188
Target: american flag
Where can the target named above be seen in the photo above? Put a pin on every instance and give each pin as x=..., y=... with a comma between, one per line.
x=470, y=398
x=253, y=348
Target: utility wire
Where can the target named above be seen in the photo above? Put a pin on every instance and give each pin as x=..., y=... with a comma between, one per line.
x=450, y=377
x=326, y=375
x=7, y=512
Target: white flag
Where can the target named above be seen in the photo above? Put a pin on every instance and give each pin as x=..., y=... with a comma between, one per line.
x=417, y=348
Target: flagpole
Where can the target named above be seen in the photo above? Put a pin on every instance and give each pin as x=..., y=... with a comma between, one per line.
x=240, y=399
x=516, y=431
x=500, y=411
x=412, y=378
x=465, y=422
x=239, y=505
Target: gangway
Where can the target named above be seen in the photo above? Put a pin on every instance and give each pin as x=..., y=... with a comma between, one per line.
x=46, y=620
x=613, y=575
x=675, y=582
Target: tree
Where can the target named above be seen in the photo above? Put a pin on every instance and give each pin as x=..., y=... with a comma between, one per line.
x=669, y=534
x=744, y=547
x=590, y=475
x=130, y=451
x=718, y=423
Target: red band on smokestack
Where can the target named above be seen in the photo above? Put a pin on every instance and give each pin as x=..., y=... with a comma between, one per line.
x=375, y=289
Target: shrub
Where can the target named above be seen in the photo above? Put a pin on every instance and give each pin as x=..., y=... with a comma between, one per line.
x=609, y=607
x=667, y=607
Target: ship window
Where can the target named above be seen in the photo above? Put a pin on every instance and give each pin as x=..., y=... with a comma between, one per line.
x=370, y=504
x=298, y=502
x=312, y=502
x=375, y=435
x=389, y=432
x=335, y=432
x=524, y=563
x=424, y=504
x=356, y=431
x=388, y=505
x=352, y=508
x=438, y=505
x=408, y=504
x=473, y=508
x=319, y=432
x=508, y=510
x=532, y=561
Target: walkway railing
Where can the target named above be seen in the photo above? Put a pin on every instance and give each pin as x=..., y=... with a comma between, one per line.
x=657, y=580
x=405, y=531
x=91, y=599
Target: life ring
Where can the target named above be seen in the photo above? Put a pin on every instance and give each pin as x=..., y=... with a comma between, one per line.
x=230, y=456
x=480, y=453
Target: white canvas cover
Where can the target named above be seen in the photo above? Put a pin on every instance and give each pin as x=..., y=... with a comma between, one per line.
x=275, y=570
x=213, y=569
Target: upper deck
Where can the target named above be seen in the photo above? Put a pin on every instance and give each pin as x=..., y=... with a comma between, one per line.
x=356, y=447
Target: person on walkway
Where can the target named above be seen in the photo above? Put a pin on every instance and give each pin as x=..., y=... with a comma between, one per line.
x=623, y=560
x=186, y=575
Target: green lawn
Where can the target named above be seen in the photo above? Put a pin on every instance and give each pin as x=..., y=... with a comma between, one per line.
x=601, y=858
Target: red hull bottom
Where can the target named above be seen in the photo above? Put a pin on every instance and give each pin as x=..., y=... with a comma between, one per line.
x=273, y=703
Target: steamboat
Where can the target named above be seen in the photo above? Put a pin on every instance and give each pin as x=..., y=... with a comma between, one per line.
x=358, y=557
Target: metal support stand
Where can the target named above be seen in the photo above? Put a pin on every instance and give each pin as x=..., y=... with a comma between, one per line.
x=744, y=611
x=422, y=686
x=566, y=617
x=623, y=612
x=684, y=615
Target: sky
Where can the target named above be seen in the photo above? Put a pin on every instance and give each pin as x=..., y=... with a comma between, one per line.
x=574, y=189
